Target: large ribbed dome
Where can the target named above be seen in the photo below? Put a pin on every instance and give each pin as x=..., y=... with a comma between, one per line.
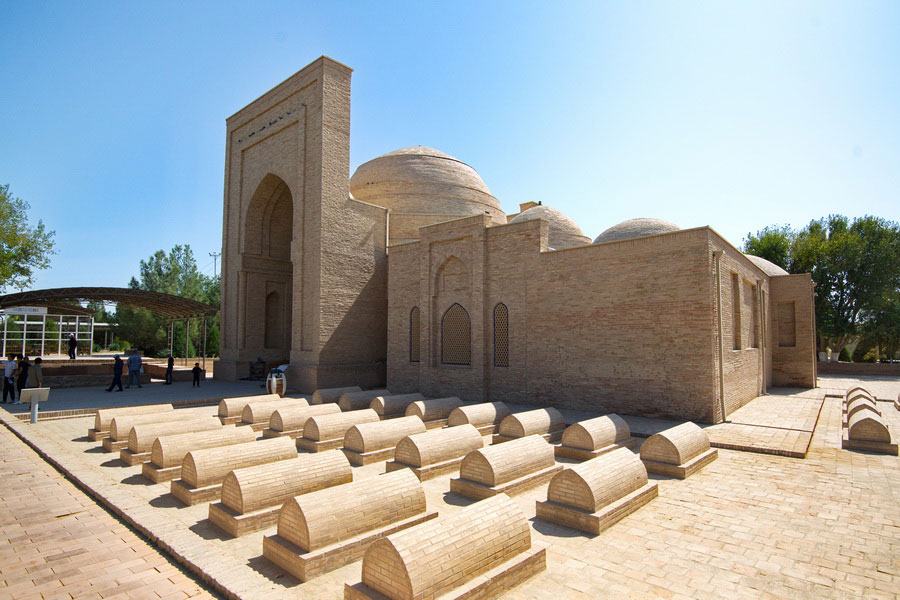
x=635, y=228
x=422, y=180
x=766, y=266
x=564, y=232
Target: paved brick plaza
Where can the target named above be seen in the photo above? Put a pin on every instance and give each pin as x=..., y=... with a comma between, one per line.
x=748, y=525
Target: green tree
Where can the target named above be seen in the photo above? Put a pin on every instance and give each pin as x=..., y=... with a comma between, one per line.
x=23, y=249
x=855, y=265
x=774, y=243
x=174, y=273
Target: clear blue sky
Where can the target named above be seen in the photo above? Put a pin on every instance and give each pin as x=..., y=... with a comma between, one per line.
x=734, y=115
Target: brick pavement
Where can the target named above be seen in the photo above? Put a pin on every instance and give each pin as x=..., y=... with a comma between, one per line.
x=748, y=525
x=55, y=542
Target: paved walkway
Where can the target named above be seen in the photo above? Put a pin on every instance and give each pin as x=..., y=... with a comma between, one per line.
x=155, y=392
x=55, y=542
x=747, y=526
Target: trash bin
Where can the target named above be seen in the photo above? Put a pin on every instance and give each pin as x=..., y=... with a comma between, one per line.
x=276, y=382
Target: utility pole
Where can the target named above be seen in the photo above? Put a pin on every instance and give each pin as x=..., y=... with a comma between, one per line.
x=215, y=257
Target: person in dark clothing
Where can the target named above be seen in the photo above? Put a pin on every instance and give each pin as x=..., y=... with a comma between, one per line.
x=196, y=371
x=73, y=346
x=118, y=365
x=22, y=376
x=170, y=365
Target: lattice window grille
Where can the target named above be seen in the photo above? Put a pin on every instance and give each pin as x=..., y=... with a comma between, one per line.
x=501, y=335
x=456, y=337
x=414, y=336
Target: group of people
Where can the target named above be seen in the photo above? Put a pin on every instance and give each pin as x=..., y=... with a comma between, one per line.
x=135, y=369
x=18, y=374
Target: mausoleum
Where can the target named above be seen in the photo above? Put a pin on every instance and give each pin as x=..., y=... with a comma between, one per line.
x=408, y=275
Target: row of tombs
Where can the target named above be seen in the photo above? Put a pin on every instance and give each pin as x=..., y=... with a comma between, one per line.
x=863, y=426
x=297, y=475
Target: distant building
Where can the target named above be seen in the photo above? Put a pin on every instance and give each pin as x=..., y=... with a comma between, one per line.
x=409, y=273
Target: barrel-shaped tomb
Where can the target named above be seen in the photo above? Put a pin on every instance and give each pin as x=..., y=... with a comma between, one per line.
x=479, y=415
x=328, y=427
x=209, y=466
x=857, y=390
x=103, y=416
x=378, y=435
x=169, y=450
x=332, y=395
x=598, y=482
x=233, y=407
x=676, y=445
x=328, y=516
x=594, y=434
x=260, y=486
x=540, y=421
x=434, y=409
x=862, y=403
x=261, y=412
x=291, y=418
x=394, y=404
x=499, y=464
x=143, y=435
x=436, y=557
x=360, y=400
x=867, y=426
x=439, y=445
x=121, y=425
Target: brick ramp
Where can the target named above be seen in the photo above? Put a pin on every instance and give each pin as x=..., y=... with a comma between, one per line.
x=781, y=423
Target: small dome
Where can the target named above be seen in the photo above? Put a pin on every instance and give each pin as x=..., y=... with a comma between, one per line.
x=564, y=232
x=766, y=266
x=421, y=180
x=635, y=228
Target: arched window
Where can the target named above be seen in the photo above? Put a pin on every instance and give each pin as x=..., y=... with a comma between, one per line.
x=501, y=335
x=456, y=337
x=414, y=334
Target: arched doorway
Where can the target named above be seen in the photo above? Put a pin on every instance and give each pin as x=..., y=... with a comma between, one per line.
x=268, y=270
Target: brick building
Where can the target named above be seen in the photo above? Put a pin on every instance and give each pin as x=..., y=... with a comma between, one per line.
x=409, y=273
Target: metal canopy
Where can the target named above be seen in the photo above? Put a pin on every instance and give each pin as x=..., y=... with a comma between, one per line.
x=166, y=305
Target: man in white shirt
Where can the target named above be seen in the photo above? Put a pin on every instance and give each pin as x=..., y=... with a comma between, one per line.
x=9, y=378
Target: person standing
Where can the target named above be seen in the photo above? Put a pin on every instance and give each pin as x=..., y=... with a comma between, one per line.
x=117, y=374
x=169, y=367
x=9, y=378
x=134, y=370
x=36, y=376
x=196, y=371
x=73, y=346
x=22, y=376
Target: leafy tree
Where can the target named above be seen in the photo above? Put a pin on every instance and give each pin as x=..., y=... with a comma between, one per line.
x=23, y=249
x=774, y=243
x=855, y=265
x=174, y=273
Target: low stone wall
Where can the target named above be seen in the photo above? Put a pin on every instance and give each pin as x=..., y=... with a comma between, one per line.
x=849, y=368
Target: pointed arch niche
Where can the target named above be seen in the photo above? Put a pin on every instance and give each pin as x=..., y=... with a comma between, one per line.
x=451, y=342
x=267, y=270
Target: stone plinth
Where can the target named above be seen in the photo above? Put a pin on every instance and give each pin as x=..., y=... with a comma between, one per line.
x=169, y=451
x=252, y=496
x=508, y=468
x=480, y=552
x=679, y=451
x=591, y=438
x=597, y=493
x=435, y=452
x=324, y=530
x=372, y=442
x=203, y=471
